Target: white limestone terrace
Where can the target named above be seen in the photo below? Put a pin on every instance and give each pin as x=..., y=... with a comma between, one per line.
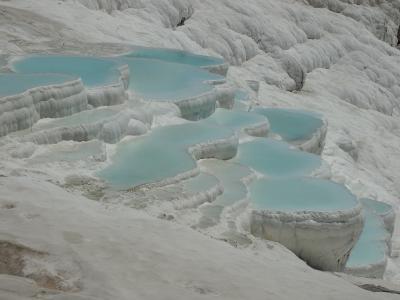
x=109, y=124
x=259, y=29
x=320, y=221
x=26, y=98
x=197, y=268
x=106, y=81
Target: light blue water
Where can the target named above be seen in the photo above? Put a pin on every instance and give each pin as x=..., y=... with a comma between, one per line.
x=301, y=194
x=175, y=56
x=291, y=125
x=371, y=247
x=163, y=81
x=12, y=84
x=161, y=154
x=93, y=71
x=276, y=159
x=236, y=120
x=378, y=207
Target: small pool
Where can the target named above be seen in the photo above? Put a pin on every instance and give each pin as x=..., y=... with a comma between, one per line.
x=237, y=120
x=276, y=159
x=93, y=71
x=175, y=56
x=156, y=80
x=13, y=84
x=292, y=125
x=371, y=248
x=159, y=155
x=300, y=194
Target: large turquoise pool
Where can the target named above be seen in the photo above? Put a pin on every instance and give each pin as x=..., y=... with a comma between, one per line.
x=300, y=194
x=93, y=71
x=157, y=80
x=292, y=125
x=159, y=155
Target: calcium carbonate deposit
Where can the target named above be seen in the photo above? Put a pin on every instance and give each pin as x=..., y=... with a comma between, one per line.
x=187, y=149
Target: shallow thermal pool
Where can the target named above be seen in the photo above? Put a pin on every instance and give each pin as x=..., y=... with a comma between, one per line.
x=371, y=248
x=236, y=120
x=276, y=159
x=13, y=84
x=157, y=80
x=161, y=154
x=175, y=56
x=300, y=194
x=93, y=71
x=292, y=125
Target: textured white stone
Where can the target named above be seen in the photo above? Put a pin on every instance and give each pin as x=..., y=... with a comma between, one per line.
x=323, y=240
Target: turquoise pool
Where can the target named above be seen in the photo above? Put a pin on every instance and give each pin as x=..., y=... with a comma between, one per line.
x=159, y=155
x=93, y=71
x=300, y=194
x=292, y=125
x=276, y=159
x=371, y=248
x=12, y=83
x=175, y=56
x=156, y=80
x=236, y=120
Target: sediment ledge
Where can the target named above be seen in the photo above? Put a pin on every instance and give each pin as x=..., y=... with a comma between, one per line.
x=21, y=111
x=324, y=239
